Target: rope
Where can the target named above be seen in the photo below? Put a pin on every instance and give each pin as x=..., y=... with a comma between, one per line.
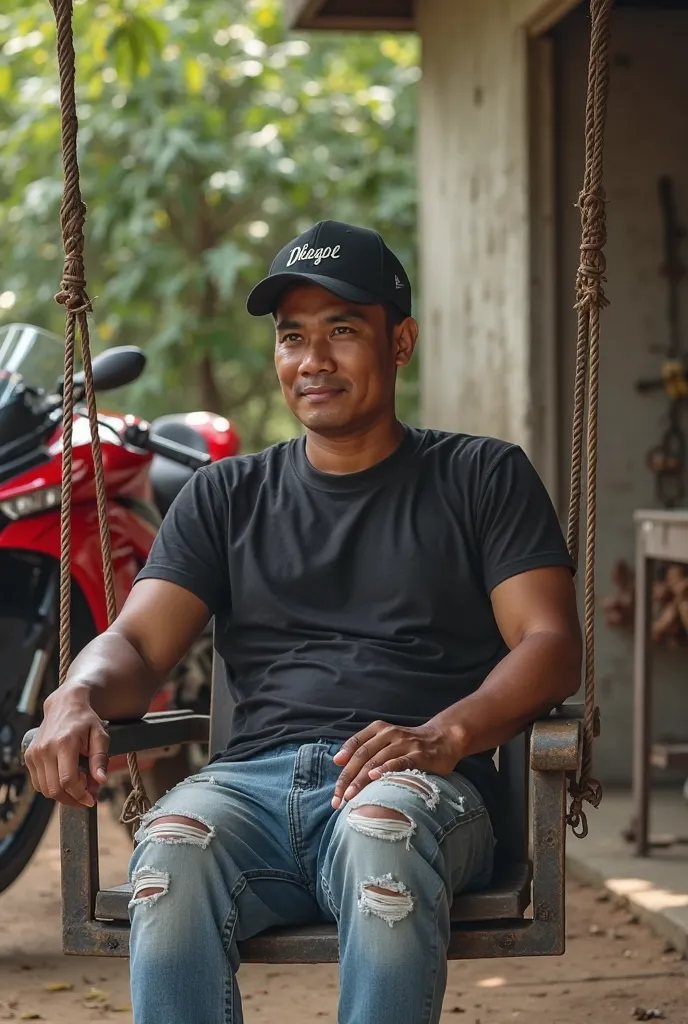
x=590, y=300
x=74, y=298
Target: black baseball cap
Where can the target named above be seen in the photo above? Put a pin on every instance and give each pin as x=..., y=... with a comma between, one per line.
x=351, y=262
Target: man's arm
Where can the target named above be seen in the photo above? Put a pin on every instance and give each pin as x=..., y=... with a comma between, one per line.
x=114, y=677
x=538, y=619
x=537, y=616
x=122, y=668
x=184, y=581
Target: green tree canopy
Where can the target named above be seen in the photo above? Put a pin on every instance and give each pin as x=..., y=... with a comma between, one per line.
x=208, y=139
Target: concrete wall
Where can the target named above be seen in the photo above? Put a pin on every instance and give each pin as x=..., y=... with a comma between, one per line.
x=647, y=137
x=474, y=219
x=474, y=180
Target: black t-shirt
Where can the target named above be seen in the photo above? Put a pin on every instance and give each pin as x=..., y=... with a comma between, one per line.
x=342, y=599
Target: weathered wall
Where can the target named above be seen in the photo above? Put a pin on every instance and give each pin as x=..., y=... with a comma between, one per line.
x=474, y=219
x=474, y=181
x=647, y=137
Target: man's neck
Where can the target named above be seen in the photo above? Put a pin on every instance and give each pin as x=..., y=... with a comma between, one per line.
x=355, y=453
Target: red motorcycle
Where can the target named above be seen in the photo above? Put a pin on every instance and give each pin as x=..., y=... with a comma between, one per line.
x=146, y=465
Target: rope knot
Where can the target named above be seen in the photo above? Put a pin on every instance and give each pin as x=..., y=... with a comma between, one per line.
x=137, y=803
x=593, y=263
x=73, y=293
x=583, y=790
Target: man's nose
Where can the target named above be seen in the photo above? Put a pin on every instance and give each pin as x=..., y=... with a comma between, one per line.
x=317, y=358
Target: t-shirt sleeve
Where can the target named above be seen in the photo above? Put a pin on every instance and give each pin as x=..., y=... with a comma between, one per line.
x=517, y=525
x=190, y=548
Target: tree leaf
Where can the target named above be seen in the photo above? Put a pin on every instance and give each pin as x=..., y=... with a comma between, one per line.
x=195, y=75
x=5, y=80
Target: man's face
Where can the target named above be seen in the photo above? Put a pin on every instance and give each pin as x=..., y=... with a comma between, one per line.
x=336, y=360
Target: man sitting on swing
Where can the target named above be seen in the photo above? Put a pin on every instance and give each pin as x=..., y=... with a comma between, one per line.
x=392, y=604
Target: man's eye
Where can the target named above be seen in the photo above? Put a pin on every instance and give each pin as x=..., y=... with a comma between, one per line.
x=343, y=329
x=290, y=339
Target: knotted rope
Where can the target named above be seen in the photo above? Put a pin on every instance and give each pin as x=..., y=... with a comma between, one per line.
x=74, y=298
x=590, y=300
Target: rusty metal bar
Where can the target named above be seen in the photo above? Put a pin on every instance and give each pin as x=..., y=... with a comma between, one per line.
x=80, y=874
x=555, y=745
x=549, y=845
x=642, y=690
x=157, y=729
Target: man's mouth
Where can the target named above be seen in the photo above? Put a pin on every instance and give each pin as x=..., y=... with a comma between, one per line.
x=321, y=393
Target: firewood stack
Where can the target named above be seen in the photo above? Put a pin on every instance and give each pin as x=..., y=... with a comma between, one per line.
x=670, y=597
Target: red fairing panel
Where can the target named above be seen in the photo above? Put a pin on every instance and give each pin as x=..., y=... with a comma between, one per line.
x=131, y=538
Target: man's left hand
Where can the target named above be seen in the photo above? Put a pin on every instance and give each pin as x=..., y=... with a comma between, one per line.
x=382, y=748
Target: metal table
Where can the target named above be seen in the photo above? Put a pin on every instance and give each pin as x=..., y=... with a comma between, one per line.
x=661, y=536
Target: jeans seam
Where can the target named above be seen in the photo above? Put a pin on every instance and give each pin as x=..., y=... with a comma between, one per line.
x=429, y=1001
x=295, y=822
x=269, y=874
x=330, y=898
x=319, y=758
x=227, y=938
x=461, y=819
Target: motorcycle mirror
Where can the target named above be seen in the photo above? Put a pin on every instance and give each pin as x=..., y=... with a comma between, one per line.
x=113, y=368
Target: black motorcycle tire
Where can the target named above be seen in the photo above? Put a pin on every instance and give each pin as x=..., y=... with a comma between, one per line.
x=17, y=849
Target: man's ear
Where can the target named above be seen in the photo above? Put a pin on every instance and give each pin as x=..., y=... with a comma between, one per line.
x=405, y=338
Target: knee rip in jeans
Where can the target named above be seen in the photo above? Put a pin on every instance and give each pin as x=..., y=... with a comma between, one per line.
x=412, y=778
x=149, y=885
x=168, y=827
x=381, y=822
x=386, y=898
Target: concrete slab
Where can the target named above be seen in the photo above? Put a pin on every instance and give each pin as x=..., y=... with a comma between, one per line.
x=655, y=887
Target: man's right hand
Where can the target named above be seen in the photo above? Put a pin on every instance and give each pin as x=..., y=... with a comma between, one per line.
x=70, y=730
x=115, y=676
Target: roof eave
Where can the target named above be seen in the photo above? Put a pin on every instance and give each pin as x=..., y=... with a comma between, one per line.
x=312, y=14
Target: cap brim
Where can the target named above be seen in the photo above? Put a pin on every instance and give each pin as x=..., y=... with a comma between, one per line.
x=265, y=297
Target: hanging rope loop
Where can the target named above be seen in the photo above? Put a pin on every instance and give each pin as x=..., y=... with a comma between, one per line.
x=590, y=301
x=74, y=297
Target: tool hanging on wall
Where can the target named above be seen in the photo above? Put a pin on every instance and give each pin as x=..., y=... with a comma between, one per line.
x=667, y=460
x=669, y=603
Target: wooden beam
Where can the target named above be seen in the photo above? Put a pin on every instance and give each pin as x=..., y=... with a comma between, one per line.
x=539, y=16
x=299, y=13
x=340, y=15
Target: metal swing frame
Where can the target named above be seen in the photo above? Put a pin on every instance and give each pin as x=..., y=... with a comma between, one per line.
x=491, y=923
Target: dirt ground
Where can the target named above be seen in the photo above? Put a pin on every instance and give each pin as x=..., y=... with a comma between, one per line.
x=615, y=970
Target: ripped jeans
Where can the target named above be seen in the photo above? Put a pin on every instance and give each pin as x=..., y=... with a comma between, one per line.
x=260, y=846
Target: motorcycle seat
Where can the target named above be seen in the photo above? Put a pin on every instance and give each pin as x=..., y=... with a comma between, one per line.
x=167, y=477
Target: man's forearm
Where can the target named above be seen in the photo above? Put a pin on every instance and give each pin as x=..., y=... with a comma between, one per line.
x=117, y=679
x=539, y=673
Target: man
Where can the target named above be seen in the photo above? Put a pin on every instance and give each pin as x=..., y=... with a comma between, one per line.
x=392, y=604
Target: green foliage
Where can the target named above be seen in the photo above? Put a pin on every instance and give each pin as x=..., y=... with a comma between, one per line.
x=208, y=139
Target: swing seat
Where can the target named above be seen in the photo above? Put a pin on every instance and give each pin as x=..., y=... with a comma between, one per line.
x=490, y=923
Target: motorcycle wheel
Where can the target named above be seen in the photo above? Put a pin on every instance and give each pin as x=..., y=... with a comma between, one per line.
x=18, y=800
